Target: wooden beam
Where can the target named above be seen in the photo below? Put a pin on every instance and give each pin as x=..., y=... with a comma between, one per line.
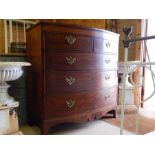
x=24, y=32
x=11, y=34
x=17, y=32
x=5, y=36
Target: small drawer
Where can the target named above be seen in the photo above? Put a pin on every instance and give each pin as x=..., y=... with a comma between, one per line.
x=67, y=104
x=103, y=45
x=75, y=81
x=67, y=41
x=80, y=61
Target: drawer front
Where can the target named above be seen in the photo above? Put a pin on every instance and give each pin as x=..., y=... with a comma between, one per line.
x=103, y=45
x=75, y=81
x=66, y=104
x=80, y=61
x=66, y=41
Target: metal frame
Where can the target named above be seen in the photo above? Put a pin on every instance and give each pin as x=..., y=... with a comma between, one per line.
x=127, y=42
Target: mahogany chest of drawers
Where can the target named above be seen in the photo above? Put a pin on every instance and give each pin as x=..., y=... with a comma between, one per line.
x=73, y=77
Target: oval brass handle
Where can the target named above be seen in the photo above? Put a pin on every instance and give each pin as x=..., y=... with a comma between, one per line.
x=70, y=60
x=107, y=77
x=107, y=97
x=70, y=80
x=70, y=39
x=107, y=61
x=108, y=44
x=70, y=103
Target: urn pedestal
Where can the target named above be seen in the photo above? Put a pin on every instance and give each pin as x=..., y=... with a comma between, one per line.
x=9, y=71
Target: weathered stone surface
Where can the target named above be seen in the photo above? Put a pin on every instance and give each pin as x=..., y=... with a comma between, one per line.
x=8, y=122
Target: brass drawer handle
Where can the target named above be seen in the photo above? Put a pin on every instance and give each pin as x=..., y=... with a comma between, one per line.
x=107, y=97
x=70, y=80
x=108, y=44
x=70, y=103
x=107, y=61
x=107, y=77
x=70, y=39
x=70, y=60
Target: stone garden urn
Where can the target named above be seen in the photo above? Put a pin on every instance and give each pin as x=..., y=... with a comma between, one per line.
x=9, y=71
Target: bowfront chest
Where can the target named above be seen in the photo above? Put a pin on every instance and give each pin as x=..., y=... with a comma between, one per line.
x=73, y=77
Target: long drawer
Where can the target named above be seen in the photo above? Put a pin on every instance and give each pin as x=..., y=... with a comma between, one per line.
x=75, y=81
x=67, y=104
x=80, y=61
x=67, y=41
